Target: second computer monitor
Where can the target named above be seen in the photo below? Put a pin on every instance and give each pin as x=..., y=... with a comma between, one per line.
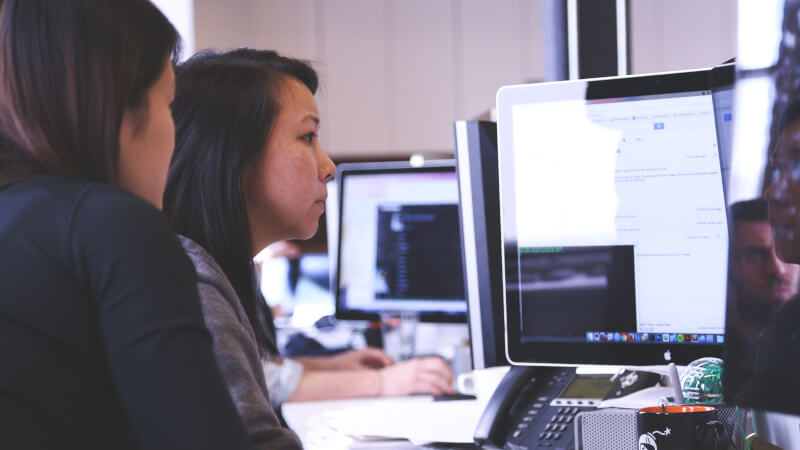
x=613, y=220
x=399, y=242
x=476, y=153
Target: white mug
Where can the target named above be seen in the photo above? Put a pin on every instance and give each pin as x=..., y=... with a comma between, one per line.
x=482, y=382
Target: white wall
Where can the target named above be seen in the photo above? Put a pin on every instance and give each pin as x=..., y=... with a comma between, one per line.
x=181, y=14
x=681, y=34
x=395, y=74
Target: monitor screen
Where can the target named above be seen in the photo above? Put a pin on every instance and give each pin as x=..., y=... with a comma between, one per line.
x=400, y=244
x=613, y=220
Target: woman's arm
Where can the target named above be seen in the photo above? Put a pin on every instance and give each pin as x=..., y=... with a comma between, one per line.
x=365, y=358
x=430, y=375
x=236, y=353
x=156, y=345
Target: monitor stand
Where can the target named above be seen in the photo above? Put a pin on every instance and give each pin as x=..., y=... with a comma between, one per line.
x=667, y=391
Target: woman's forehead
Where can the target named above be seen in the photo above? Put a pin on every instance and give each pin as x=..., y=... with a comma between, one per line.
x=294, y=93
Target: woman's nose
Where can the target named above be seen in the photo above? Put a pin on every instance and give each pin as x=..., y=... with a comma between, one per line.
x=327, y=168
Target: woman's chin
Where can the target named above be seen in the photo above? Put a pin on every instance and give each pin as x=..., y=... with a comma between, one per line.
x=308, y=232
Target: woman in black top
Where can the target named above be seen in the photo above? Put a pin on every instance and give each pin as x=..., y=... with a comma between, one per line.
x=102, y=341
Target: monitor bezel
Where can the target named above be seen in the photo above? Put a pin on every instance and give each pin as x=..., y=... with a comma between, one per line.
x=478, y=192
x=581, y=353
x=722, y=78
x=369, y=168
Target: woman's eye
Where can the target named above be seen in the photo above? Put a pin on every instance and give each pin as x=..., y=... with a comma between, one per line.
x=309, y=137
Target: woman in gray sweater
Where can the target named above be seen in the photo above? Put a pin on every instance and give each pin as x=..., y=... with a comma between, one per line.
x=248, y=171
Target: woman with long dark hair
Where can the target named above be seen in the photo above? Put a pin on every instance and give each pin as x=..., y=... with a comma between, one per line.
x=248, y=171
x=102, y=339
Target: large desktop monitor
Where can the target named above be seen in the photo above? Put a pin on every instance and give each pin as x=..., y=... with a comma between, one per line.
x=479, y=208
x=613, y=221
x=399, y=246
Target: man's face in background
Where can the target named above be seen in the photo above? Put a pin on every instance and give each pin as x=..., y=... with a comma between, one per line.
x=762, y=278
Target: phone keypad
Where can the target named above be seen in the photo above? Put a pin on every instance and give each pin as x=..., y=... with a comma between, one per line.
x=542, y=420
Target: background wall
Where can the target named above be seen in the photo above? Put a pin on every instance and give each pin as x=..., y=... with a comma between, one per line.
x=396, y=73
x=681, y=34
x=181, y=14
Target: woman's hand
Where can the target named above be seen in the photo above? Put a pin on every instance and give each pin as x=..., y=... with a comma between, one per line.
x=428, y=375
x=365, y=358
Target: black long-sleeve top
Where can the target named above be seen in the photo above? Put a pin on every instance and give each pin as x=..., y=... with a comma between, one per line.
x=102, y=340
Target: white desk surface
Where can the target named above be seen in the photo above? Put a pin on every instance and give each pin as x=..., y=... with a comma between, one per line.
x=356, y=423
x=401, y=422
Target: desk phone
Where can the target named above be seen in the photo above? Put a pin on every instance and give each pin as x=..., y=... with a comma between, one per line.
x=535, y=407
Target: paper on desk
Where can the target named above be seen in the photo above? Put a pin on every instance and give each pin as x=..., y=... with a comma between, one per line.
x=639, y=399
x=420, y=422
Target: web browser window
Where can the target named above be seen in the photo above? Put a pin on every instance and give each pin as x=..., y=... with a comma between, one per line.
x=634, y=183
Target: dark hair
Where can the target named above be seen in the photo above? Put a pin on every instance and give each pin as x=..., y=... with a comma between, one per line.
x=68, y=71
x=224, y=109
x=791, y=114
x=750, y=210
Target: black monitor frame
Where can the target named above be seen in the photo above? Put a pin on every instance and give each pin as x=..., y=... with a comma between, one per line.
x=479, y=208
x=345, y=170
x=580, y=353
x=721, y=79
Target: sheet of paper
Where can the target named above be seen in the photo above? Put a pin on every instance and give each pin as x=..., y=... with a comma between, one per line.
x=651, y=396
x=420, y=422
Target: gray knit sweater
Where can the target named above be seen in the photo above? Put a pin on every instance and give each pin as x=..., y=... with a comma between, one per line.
x=236, y=352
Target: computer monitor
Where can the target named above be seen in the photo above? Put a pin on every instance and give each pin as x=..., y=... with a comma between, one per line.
x=613, y=221
x=399, y=241
x=721, y=79
x=762, y=362
x=479, y=209
x=332, y=229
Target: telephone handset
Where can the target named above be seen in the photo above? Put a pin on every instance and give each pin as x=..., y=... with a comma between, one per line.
x=535, y=407
x=493, y=424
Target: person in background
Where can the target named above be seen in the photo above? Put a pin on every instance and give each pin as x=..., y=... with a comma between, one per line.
x=783, y=191
x=776, y=352
x=764, y=283
x=248, y=171
x=101, y=333
x=281, y=253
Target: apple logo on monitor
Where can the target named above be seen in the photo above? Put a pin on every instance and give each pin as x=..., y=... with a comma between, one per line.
x=667, y=356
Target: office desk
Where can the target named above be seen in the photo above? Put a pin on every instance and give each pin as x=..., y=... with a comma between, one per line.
x=357, y=423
